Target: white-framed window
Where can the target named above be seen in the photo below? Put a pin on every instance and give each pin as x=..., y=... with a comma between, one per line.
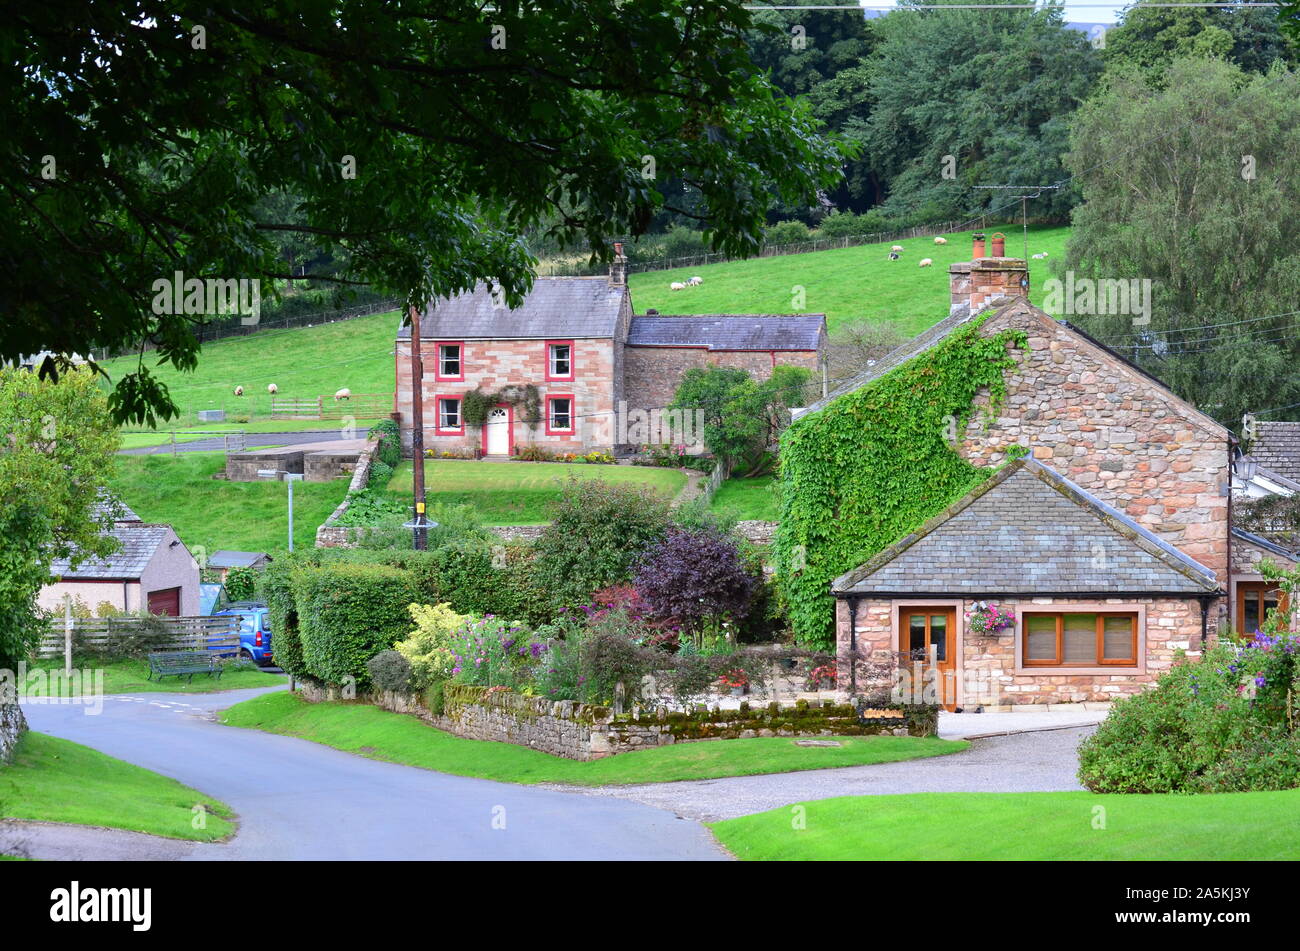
x=448, y=414
x=559, y=360
x=449, y=361
x=559, y=414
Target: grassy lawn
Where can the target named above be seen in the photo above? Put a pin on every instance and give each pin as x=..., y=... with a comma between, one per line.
x=847, y=284
x=517, y=493
x=142, y=438
x=131, y=676
x=303, y=363
x=398, y=738
x=1025, y=826
x=749, y=498
x=54, y=780
x=244, y=516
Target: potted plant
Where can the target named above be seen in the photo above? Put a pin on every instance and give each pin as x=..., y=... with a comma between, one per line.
x=821, y=678
x=986, y=618
x=735, y=681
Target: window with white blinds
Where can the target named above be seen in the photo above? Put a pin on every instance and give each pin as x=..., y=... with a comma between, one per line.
x=1080, y=640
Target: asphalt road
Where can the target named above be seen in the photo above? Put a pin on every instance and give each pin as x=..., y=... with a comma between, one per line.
x=300, y=800
x=252, y=440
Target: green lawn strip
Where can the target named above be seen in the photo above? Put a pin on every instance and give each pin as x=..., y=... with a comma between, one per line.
x=303, y=363
x=138, y=439
x=214, y=513
x=519, y=493
x=55, y=780
x=1020, y=826
x=399, y=738
x=130, y=676
x=846, y=284
x=748, y=498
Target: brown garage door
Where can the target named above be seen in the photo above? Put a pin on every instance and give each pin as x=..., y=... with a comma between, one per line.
x=167, y=601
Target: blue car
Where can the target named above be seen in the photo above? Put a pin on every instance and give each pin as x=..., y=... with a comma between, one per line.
x=254, y=630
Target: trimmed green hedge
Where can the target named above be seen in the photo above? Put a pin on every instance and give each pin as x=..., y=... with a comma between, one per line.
x=348, y=613
x=277, y=592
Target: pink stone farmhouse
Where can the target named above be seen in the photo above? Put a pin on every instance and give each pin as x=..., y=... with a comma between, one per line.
x=591, y=359
x=1110, y=546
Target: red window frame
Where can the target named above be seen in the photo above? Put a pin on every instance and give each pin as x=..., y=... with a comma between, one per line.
x=573, y=414
x=437, y=414
x=437, y=361
x=551, y=377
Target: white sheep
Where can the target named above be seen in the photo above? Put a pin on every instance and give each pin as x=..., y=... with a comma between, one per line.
x=676, y=286
x=1040, y=255
x=272, y=388
x=897, y=247
x=925, y=262
x=941, y=240
x=239, y=391
x=343, y=394
x=695, y=281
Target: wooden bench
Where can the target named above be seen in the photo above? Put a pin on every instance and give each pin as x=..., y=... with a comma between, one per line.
x=182, y=663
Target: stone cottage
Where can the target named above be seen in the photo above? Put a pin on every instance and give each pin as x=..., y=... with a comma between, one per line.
x=1109, y=547
x=569, y=366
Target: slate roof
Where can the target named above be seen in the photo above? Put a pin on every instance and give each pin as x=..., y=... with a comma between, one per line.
x=236, y=559
x=137, y=543
x=1277, y=447
x=1261, y=542
x=556, y=308
x=1029, y=530
x=729, y=331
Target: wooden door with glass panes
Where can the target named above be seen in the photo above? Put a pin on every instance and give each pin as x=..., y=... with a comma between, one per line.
x=923, y=630
x=1255, y=599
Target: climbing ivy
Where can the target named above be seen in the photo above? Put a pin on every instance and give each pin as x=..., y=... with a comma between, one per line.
x=477, y=403
x=876, y=463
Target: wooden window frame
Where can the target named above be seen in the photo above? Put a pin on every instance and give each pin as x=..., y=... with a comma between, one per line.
x=573, y=415
x=1262, y=587
x=438, y=375
x=1100, y=643
x=437, y=414
x=573, y=352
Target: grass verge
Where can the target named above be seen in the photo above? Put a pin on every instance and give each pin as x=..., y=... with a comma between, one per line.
x=749, y=498
x=1023, y=826
x=54, y=780
x=131, y=676
x=398, y=738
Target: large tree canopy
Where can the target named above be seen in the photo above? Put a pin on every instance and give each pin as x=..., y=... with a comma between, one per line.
x=418, y=140
x=1194, y=187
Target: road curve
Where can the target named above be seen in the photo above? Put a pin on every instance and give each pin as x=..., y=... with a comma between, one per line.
x=300, y=800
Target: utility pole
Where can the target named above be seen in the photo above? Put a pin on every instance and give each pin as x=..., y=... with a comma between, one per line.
x=1030, y=191
x=417, y=430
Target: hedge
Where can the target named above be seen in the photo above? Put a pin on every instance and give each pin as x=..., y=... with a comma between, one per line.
x=277, y=592
x=347, y=613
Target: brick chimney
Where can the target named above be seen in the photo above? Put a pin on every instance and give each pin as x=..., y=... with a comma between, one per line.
x=977, y=283
x=618, y=266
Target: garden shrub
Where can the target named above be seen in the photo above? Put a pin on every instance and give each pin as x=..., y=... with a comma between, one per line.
x=390, y=443
x=241, y=584
x=696, y=577
x=786, y=232
x=347, y=613
x=428, y=648
x=389, y=670
x=597, y=530
x=277, y=592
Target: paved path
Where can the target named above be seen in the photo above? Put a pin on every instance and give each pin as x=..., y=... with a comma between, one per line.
x=301, y=800
x=252, y=440
x=960, y=726
x=1045, y=761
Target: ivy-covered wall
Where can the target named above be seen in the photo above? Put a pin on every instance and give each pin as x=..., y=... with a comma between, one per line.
x=876, y=462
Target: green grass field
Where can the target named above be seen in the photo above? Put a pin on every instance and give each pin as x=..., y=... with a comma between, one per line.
x=244, y=516
x=302, y=362
x=54, y=780
x=517, y=493
x=846, y=284
x=132, y=676
x=1023, y=826
x=254, y=431
x=398, y=738
x=749, y=498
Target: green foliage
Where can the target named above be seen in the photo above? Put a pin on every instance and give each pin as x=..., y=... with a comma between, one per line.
x=1149, y=39
x=58, y=454
x=241, y=584
x=477, y=403
x=390, y=670
x=428, y=648
x=390, y=445
x=597, y=530
x=347, y=613
x=371, y=506
x=1213, y=232
x=277, y=592
x=874, y=464
x=787, y=232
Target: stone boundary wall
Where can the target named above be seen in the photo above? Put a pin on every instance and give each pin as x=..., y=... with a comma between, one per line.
x=12, y=726
x=760, y=533
x=331, y=535
x=585, y=732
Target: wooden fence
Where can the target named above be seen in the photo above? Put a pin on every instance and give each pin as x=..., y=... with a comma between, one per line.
x=359, y=406
x=218, y=634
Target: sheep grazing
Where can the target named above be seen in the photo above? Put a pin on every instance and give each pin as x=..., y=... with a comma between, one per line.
x=695, y=281
x=239, y=391
x=925, y=262
x=897, y=247
x=1039, y=256
x=272, y=388
x=893, y=255
x=941, y=240
x=343, y=394
x=676, y=286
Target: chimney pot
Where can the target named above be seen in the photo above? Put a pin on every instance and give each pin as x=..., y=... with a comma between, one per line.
x=999, y=244
x=978, y=251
